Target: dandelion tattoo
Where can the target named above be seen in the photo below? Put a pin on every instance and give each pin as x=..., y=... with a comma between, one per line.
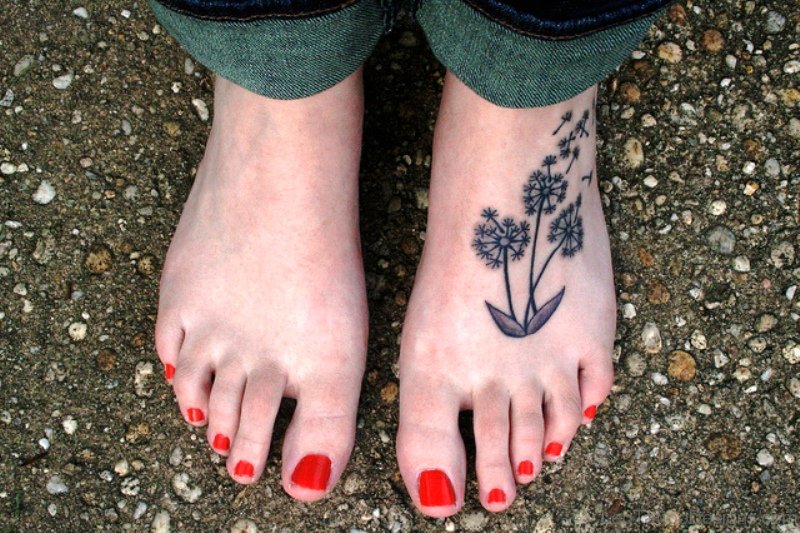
x=499, y=242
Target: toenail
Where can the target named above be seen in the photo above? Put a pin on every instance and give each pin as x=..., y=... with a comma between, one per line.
x=590, y=412
x=496, y=496
x=243, y=469
x=195, y=415
x=312, y=472
x=169, y=371
x=525, y=468
x=221, y=442
x=435, y=489
x=554, y=448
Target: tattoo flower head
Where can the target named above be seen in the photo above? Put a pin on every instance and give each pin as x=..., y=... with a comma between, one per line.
x=567, y=229
x=544, y=190
x=496, y=240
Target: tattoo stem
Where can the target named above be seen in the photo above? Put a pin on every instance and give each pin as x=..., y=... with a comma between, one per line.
x=508, y=284
x=531, y=298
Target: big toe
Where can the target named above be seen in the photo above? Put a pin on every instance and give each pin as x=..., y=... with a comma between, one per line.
x=430, y=451
x=320, y=438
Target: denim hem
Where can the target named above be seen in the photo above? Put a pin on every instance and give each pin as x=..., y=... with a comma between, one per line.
x=281, y=58
x=510, y=69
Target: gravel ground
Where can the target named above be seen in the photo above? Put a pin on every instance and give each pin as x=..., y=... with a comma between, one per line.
x=102, y=122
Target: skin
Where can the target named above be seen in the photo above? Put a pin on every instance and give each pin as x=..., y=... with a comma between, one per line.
x=263, y=295
x=525, y=392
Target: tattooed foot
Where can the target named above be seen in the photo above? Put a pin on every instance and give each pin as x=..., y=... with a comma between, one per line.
x=262, y=294
x=522, y=334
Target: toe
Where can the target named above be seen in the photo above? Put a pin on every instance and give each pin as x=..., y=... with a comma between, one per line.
x=169, y=337
x=527, y=432
x=260, y=402
x=224, y=406
x=596, y=378
x=562, y=414
x=430, y=451
x=192, y=383
x=492, y=463
x=320, y=438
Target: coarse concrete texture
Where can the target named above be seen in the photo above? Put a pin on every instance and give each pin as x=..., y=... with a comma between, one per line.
x=102, y=124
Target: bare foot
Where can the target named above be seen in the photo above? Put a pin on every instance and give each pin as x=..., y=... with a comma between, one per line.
x=513, y=309
x=262, y=294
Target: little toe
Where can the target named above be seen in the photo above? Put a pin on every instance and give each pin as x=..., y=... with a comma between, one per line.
x=596, y=378
x=430, y=451
x=319, y=439
x=224, y=406
x=527, y=432
x=192, y=384
x=492, y=462
x=562, y=415
x=260, y=402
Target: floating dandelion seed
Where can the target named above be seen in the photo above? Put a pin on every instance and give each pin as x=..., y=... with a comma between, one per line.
x=565, y=145
x=566, y=117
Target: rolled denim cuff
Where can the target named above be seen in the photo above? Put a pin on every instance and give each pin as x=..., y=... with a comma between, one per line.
x=282, y=58
x=512, y=69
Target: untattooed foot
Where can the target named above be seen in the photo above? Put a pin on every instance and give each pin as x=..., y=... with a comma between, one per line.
x=513, y=309
x=262, y=294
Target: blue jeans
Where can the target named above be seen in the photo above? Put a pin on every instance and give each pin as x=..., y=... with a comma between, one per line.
x=515, y=53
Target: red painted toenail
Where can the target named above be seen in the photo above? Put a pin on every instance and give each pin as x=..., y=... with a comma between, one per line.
x=169, y=371
x=554, y=448
x=496, y=496
x=243, y=469
x=221, y=442
x=435, y=489
x=195, y=415
x=312, y=472
x=525, y=468
x=590, y=412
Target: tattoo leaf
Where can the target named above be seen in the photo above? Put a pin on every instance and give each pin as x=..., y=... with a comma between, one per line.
x=544, y=313
x=506, y=322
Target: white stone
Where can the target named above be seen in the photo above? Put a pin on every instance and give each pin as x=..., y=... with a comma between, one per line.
x=80, y=12
x=201, y=108
x=56, y=486
x=70, y=425
x=628, y=310
x=144, y=371
x=44, y=193
x=792, y=67
x=141, y=508
x=7, y=168
x=634, y=153
x=741, y=263
x=122, y=468
x=651, y=338
x=718, y=207
x=44, y=443
x=244, y=525
x=791, y=352
x=659, y=378
x=765, y=458
x=650, y=182
x=77, y=331
x=63, y=81
x=160, y=523
x=181, y=486
x=794, y=387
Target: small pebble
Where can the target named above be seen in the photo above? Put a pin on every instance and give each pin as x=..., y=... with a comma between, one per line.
x=670, y=52
x=23, y=65
x=718, y=207
x=721, y=239
x=651, y=338
x=775, y=22
x=80, y=12
x=44, y=443
x=56, y=486
x=122, y=468
x=765, y=458
x=659, y=378
x=628, y=311
x=650, y=182
x=141, y=379
x=7, y=168
x=772, y=167
x=682, y=365
x=70, y=425
x=160, y=523
x=634, y=153
x=201, y=108
x=766, y=322
x=77, y=331
x=64, y=81
x=244, y=525
x=141, y=508
x=791, y=352
x=792, y=67
x=44, y=193
x=186, y=492
x=794, y=387
x=741, y=263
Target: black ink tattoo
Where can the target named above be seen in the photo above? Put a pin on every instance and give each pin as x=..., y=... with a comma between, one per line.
x=566, y=117
x=498, y=242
